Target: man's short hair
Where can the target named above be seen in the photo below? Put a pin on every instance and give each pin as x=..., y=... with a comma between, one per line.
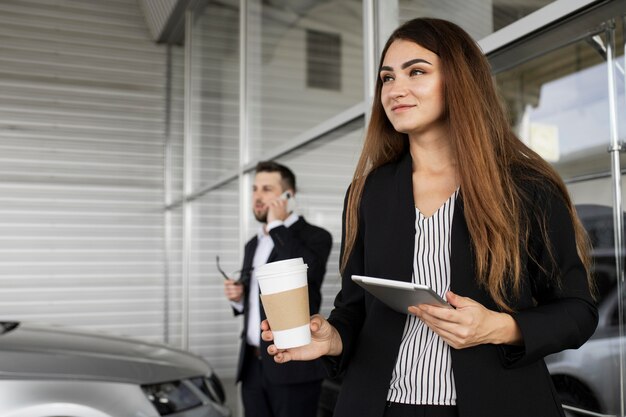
x=287, y=177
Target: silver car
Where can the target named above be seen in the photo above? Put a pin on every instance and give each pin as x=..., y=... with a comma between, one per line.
x=50, y=372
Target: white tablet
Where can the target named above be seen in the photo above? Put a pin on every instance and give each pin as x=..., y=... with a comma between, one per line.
x=399, y=295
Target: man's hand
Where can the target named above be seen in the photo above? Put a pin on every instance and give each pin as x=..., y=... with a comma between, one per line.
x=233, y=290
x=277, y=210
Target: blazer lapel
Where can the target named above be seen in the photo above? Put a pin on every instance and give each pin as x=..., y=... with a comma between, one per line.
x=404, y=222
x=462, y=265
x=248, y=257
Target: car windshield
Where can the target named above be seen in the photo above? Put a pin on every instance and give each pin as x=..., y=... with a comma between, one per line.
x=7, y=326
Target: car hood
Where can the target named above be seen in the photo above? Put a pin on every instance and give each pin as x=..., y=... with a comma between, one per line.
x=32, y=351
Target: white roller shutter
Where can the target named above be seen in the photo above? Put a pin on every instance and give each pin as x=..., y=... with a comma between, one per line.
x=82, y=122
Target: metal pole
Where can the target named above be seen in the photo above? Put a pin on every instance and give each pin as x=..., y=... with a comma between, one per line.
x=243, y=139
x=244, y=144
x=167, y=184
x=370, y=51
x=615, y=150
x=187, y=179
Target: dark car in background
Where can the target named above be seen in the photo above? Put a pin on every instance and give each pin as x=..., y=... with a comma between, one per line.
x=51, y=372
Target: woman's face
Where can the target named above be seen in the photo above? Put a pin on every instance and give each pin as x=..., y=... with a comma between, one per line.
x=412, y=89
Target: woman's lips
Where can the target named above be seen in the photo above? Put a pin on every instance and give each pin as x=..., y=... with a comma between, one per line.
x=402, y=107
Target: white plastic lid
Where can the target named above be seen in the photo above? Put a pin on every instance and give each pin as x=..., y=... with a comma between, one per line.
x=280, y=267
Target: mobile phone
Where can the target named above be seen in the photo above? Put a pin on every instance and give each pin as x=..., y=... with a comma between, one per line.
x=291, y=201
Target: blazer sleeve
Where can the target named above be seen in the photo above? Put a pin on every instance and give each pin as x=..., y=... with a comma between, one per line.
x=565, y=314
x=313, y=245
x=349, y=312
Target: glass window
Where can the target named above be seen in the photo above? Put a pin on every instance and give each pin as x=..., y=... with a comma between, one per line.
x=214, y=330
x=174, y=306
x=620, y=90
x=478, y=17
x=215, y=92
x=304, y=65
x=559, y=105
x=176, y=123
x=324, y=170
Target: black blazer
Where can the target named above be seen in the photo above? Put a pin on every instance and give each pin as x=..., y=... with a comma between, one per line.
x=313, y=244
x=490, y=380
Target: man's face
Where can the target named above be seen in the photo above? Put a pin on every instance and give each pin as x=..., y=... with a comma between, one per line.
x=267, y=187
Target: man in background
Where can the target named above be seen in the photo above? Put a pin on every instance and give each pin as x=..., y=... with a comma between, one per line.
x=267, y=388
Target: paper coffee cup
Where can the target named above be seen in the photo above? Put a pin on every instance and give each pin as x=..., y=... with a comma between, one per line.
x=285, y=297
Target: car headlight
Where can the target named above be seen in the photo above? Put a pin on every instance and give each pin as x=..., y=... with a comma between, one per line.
x=212, y=387
x=171, y=397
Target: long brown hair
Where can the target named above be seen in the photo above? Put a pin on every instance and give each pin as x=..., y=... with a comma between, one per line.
x=487, y=152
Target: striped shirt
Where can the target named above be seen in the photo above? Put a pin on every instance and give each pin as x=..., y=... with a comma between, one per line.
x=423, y=371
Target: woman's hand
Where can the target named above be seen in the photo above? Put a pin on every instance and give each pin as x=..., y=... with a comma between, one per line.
x=325, y=340
x=469, y=324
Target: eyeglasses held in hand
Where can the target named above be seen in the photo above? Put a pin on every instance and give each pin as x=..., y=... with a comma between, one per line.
x=225, y=275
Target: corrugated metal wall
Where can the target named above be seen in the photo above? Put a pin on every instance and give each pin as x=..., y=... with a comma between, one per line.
x=82, y=113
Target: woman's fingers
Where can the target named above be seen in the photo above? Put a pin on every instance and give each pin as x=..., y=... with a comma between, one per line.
x=467, y=325
x=324, y=340
x=266, y=333
x=282, y=357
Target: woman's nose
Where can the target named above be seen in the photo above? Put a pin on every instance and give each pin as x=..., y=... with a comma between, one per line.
x=398, y=89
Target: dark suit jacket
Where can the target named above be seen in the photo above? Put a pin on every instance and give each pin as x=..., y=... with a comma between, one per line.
x=313, y=244
x=490, y=380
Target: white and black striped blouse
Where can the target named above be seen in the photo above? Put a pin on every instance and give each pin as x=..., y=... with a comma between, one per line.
x=423, y=371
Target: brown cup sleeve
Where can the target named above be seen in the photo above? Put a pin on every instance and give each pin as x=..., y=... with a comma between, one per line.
x=288, y=309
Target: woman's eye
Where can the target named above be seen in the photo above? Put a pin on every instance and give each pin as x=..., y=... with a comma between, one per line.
x=386, y=77
x=416, y=71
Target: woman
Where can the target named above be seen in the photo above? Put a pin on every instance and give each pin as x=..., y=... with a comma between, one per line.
x=446, y=195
